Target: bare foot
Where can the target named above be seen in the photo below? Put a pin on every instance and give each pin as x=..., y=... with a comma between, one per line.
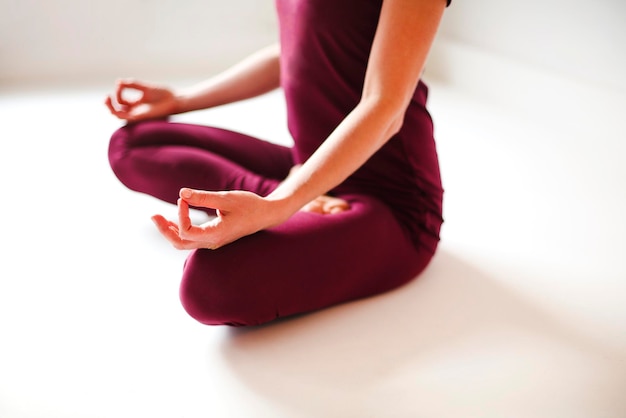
x=326, y=205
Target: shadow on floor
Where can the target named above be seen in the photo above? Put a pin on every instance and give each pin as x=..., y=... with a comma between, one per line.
x=454, y=340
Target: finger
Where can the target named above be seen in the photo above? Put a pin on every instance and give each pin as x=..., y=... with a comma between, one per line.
x=205, y=199
x=109, y=104
x=131, y=83
x=125, y=84
x=169, y=230
x=184, y=220
x=206, y=235
x=119, y=92
x=119, y=113
x=188, y=231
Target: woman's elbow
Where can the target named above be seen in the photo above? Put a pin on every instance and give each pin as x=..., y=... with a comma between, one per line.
x=395, y=119
x=396, y=124
x=390, y=111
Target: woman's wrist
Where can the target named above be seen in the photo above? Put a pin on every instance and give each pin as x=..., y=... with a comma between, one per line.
x=283, y=205
x=181, y=103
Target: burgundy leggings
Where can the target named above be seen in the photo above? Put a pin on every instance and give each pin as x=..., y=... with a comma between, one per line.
x=307, y=263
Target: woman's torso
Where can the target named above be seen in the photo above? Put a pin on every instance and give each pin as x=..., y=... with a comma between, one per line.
x=325, y=46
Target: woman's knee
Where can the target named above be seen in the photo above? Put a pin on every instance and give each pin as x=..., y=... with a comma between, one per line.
x=116, y=142
x=213, y=294
x=129, y=137
x=214, y=307
x=118, y=151
x=130, y=157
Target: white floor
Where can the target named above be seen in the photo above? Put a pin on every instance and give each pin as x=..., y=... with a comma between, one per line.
x=521, y=314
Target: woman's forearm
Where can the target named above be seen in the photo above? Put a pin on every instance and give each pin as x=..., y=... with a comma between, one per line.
x=257, y=74
x=356, y=139
x=395, y=64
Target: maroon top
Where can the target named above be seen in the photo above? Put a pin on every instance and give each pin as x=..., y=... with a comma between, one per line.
x=325, y=45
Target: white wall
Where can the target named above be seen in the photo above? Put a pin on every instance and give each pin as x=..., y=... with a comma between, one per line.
x=78, y=40
x=583, y=39
x=48, y=40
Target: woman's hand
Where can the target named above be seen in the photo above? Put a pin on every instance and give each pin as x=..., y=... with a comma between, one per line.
x=239, y=213
x=153, y=101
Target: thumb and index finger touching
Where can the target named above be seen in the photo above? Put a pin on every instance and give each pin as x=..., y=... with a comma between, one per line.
x=200, y=198
x=116, y=99
x=124, y=84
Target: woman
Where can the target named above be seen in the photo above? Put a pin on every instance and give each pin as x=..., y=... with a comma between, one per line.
x=353, y=209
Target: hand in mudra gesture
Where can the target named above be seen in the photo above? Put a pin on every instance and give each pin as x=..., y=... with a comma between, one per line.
x=152, y=101
x=238, y=213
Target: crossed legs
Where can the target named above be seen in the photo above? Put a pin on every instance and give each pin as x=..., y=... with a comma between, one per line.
x=307, y=263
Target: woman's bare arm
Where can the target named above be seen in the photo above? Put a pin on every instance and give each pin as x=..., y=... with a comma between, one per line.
x=403, y=40
x=257, y=74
